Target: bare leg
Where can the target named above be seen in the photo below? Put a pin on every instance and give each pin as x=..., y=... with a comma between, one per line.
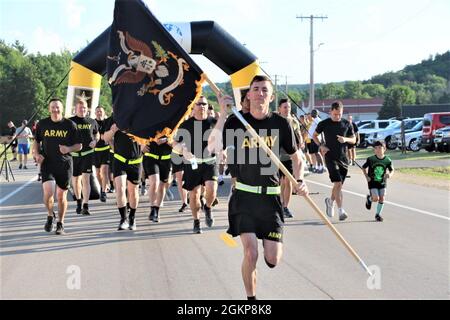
x=61, y=195
x=210, y=192
x=250, y=245
x=48, y=189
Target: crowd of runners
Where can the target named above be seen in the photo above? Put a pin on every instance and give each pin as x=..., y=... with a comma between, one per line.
x=207, y=146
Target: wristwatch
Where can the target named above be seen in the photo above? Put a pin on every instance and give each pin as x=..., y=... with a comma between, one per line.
x=299, y=180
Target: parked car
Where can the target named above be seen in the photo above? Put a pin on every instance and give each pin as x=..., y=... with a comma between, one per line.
x=387, y=134
x=413, y=141
x=371, y=127
x=431, y=123
x=396, y=138
x=442, y=140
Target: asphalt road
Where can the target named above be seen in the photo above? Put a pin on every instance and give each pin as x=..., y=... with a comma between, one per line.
x=409, y=250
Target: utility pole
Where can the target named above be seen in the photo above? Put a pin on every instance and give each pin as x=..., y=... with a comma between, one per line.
x=287, y=88
x=276, y=87
x=311, y=44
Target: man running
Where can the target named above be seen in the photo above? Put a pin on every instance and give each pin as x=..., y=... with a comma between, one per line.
x=101, y=155
x=127, y=172
x=157, y=167
x=56, y=137
x=192, y=142
x=254, y=210
x=84, y=159
x=284, y=110
x=338, y=132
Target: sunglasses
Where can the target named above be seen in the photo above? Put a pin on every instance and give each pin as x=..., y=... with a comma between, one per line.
x=201, y=104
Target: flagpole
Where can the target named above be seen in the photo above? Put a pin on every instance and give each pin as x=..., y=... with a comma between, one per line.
x=280, y=165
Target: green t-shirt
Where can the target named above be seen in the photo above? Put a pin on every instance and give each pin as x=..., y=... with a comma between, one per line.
x=377, y=170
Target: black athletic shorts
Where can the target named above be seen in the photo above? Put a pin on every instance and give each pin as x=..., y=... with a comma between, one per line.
x=312, y=147
x=153, y=166
x=177, y=163
x=61, y=173
x=350, y=146
x=255, y=213
x=194, y=178
x=102, y=158
x=288, y=165
x=83, y=164
x=337, y=169
x=132, y=171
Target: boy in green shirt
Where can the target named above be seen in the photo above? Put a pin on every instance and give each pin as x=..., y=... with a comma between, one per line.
x=378, y=165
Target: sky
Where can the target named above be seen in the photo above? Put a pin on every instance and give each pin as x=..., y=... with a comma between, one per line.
x=360, y=38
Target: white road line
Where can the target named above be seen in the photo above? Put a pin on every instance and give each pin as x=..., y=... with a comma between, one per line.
x=386, y=202
x=17, y=190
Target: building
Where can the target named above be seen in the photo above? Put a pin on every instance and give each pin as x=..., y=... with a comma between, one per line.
x=360, y=109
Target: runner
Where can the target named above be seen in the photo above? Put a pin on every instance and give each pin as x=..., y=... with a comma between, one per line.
x=84, y=159
x=157, y=167
x=255, y=210
x=338, y=132
x=127, y=171
x=191, y=141
x=284, y=110
x=378, y=165
x=56, y=137
x=101, y=155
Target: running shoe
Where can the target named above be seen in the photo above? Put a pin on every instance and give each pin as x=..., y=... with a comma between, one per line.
x=78, y=209
x=123, y=225
x=103, y=196
x=132, y=224
x=183, y=208
x=49, y=224
x=215, y=202
x=208, y=217
x=342, y=215
x=59, y=228
x=202, y=203
x=20, y=166
x=85, y=212
x=156, y=217
x=25, y=167
x=287, y=213
x=368, y=202
x=39, y=177
x=197, y=229
x=330, y=207
x=378, y=218
x=152, y=214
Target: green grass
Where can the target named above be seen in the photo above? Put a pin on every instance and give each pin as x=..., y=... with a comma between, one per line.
x=434, y=172
x=397, y=155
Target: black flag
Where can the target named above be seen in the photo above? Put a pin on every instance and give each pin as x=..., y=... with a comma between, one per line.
x=154, y=82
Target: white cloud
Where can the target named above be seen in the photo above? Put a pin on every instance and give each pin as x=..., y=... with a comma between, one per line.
x=73, y=12
x=45, y=41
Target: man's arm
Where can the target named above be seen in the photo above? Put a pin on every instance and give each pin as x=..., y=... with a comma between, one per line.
x=109, y=135
x=299, y=173
x=36, y=152
x=215, y=143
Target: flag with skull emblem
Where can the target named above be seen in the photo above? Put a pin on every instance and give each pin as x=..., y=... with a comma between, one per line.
x=154, y=82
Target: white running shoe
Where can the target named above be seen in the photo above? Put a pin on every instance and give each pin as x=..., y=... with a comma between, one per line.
x=123, y=225
x=342, y=214
x=330, y=207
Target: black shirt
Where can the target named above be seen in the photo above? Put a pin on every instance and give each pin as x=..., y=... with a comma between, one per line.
x=101, y=130
x=123, y=143
x=331, y=130
x=52, y=134
x=87, y=128
x=195, y=133
x=253, y=165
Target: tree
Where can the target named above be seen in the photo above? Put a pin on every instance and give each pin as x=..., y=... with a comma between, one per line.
x=395, y=98
x=354, y=90
x=331, y=91
x=374, y=90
